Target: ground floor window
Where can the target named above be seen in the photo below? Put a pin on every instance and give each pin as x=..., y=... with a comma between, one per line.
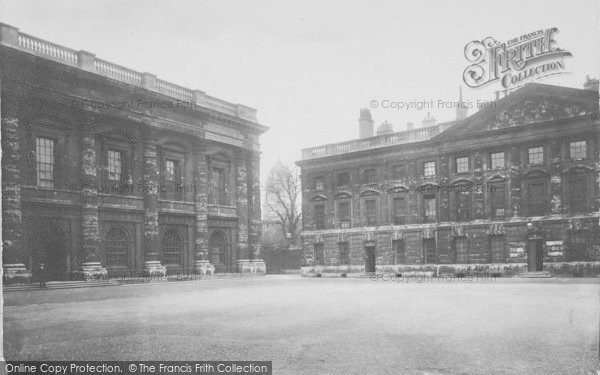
x=399, y=252
x=319, y=256
x=580, y=246
x=172, y=247
x=116, y=247
x=497, y=249
x=344, y=253
x=429, y=251
x=461, y=250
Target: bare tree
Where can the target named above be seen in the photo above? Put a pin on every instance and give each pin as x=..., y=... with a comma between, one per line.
x=283, y=192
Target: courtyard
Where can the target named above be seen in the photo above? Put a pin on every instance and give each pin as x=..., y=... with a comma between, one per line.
x=319, y=325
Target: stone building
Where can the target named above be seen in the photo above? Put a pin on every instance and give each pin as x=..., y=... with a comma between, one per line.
x=511, y=189
x=106, y=169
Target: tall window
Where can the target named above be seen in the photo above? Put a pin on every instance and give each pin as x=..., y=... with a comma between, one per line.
x=578, y=246
x=399, y=251
x=535, y=155
x=462, y=164
x=342, y=179
x=370, y=176
x=218, y=187
x=537, y=198
x=344, y=253
x=498, y=200
x=461, y=250
x=578, y=150
x=172, y=179
x=320, y=216
x=463, y=203
x=429, y=168
x=343, y=214
x=115, y=165
x=399, y=210
x=172, y=247
x=319, y=255
x=497, y=249
x=577, y=193
x=429, y=208
x=319, y=183
x=371, y=212
x=116, y=247
x=497, y=160
x=44, y=153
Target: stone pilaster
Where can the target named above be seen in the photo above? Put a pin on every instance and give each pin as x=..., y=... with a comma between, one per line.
x=241, y=184
x=152, y=265
x=13, y=256
x=201, y=262
x=255, y=230
x=91, y=265
x=515, y=182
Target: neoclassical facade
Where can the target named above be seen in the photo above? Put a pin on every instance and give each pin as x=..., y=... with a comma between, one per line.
x=511, y=189
x=109, y=170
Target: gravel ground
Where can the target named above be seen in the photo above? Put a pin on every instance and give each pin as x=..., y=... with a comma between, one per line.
x=319, y=326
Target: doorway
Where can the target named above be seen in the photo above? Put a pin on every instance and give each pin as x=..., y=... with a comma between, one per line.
x=535, y=255
x=49, y=248
x=370, y=261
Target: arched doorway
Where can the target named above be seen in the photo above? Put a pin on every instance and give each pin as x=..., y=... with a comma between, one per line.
x=49, y=247
x=218, y=250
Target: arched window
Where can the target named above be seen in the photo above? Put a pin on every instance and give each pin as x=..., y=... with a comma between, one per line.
x=116, y=247
x=218, y=248
x=172, y=247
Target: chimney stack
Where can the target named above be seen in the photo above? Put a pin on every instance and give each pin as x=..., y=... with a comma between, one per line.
x=365, y=124
x=462, y=109
x=385, y=128
x=590, y=83
x=429, y=120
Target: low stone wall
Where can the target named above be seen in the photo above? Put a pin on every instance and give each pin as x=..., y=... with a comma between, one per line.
x=564, y=269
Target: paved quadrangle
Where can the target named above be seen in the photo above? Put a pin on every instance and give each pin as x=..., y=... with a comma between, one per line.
x=319, y=326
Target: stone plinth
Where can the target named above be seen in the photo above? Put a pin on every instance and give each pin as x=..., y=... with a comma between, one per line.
x=251, y=266
x=92, y=270
x=203, y=267
x=154, y=268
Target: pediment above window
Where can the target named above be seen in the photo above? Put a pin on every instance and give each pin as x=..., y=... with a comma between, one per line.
x=318, y=198
x=342, y=195
x=398, y=189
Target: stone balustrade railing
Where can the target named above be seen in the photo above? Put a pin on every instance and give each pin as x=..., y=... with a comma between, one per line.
x=11, y=37
x=407, y=136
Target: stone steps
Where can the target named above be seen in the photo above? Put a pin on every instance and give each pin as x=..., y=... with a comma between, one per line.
x=60, y=285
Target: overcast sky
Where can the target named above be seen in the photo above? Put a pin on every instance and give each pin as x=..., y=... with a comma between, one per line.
x=309, y=66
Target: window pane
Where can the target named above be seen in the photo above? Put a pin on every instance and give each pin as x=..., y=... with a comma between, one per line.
x=344, y=253
x=344, y=214
x=320, y=217
x=498, y=200
x=462, y=165
x=399, y=251
x=399, y=210
x=116, y=248
x=218, y=187
x=463, y=205
x=44, y=151
x=343, y=179
x=114, y=165
x=497, y=250
x=319, y=183
x=497, y=160
x=429, y=168
x=429, y=208
x=578, y=150
x=577, y=193
x=319, y=256
x=371, y=212
x=536, y=155
x=172, y=248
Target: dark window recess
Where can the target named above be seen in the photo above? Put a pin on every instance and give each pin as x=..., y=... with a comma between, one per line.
x=429, y=250
x=399, y=251
x=498, y=201
x=461, y=250
x=320, y=217
x=218, y=186
x=497, y=249
x=172, y=248
x=536, y=192
x=398, y=172
x=319, y=183
x=578, y=193
x=429, y=208
x=344, y=215
x=342, y=179
x=116, y=247
x=399, y=210
x=370, y=176
x=463, y=205
x=371, y=212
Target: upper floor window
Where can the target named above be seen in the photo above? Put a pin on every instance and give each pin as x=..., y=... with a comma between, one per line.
x=577, y=190
x=399, y=210
x=462, y=164
x=463, y=204
x=319, y=183
x=219, y=186
x=497, y=160
x=429, y=168
x=371, y=212
x=370, y=176
x=342, y=179
x=172, y=179
x=319, y=217
x=578, y=149
x=343, y=214
x=398, y=172
x=536, y=194
x=44, y=153
x=429, y=208
x=115, y=165
x=535, y=155
x=498, y=200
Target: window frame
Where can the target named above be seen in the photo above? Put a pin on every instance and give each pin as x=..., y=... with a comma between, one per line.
x=570, y=149
x=492, y=167
x=543, y=158
x=461, y=163
x=52, y=163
